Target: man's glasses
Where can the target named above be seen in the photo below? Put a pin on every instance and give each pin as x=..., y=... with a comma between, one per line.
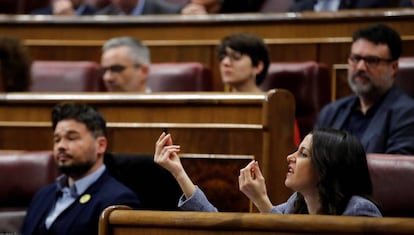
x=370, y=61
x=116, y=68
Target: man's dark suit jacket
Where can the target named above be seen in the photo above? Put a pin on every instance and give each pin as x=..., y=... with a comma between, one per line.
x=307, y=5
x=79, y=218
x=88, y=10
x=150, y=7
x=391, y=130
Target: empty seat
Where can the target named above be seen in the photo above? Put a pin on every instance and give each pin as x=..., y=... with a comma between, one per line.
x=22, y=174
x=310, y=84
x=180, y=76
x=392, y=179
x=70, y=76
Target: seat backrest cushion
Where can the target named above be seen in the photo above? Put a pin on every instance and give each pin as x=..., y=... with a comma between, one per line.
x=310, y=84
x=392, y=178
x=22, y=174
x=405, y=75
x=182, y=76
x=156, y=187
x=73, y=76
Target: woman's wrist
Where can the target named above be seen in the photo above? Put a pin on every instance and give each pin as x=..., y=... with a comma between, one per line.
x=264, y=205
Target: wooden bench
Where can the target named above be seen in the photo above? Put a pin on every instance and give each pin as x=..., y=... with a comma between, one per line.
x=120, y=220
x=210, y=123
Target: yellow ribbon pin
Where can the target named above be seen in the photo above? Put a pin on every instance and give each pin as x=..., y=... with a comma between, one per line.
x=85, y=198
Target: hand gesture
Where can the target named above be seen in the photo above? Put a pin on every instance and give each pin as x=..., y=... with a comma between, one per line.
x=252, y=184
x=166, y=154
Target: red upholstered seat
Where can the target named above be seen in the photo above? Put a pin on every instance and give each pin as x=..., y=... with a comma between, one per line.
x=22, y=174
x=392, y=178
x=405, y=75
x=180, y=76
x=66, y=76
x=310, y=84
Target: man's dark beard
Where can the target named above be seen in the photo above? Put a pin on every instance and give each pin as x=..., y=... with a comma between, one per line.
x=76, y=170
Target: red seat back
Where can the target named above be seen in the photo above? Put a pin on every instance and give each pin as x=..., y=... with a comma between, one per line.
x=70, y=76
x=405, y=75
x=310, y=84
x=392, y=179
x=22, y=174
x=190, y=76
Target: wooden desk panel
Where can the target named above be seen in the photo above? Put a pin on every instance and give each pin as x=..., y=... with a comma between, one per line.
x=214, y=123
x=218, y=177
x=133, y=222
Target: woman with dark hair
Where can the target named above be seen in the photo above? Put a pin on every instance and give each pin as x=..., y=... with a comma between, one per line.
x=15, y=65
x=328, y=172
x=244, y=61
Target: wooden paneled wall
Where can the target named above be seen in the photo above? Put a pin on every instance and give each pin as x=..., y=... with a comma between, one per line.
x=323, y=37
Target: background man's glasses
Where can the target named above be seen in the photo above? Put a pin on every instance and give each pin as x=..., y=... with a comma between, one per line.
x=116, y=68
x=370, y=61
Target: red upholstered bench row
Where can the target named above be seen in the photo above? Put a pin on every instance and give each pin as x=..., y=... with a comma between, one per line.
x=85, y=76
